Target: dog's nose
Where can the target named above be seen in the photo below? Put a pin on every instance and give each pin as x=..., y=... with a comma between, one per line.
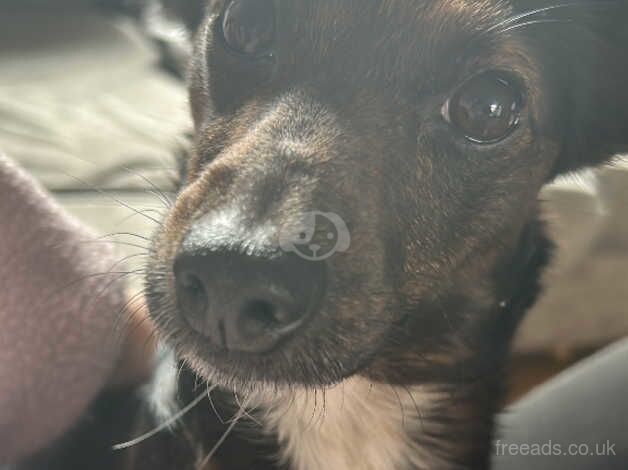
x=244, y=303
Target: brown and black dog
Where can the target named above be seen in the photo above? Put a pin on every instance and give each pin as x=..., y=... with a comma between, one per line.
x=358, y=230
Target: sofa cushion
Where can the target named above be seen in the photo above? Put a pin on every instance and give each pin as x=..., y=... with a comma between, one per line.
x=82, y=102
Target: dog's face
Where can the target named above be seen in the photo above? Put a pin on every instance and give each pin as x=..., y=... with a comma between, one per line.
x=363, y=169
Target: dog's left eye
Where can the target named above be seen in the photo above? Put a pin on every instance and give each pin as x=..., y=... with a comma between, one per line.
x=486, y=109
x=248, y=26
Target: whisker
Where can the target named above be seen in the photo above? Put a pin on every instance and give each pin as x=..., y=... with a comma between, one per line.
x=401, y=407
x=165, y=425
x=130, y=318
x=120, y=234
x=550, y=8
x=116, y=242
x=213, y=406
x=106, y=194
x=134, y=298
x=324, y=408
x=307, y=400
x=141, y=212
x=159, y=193
x=122, y=274
x=534, y=22
x=111, y=283
x=416, y=406
x=223, y=438
x=118, y=278
x=246, y=413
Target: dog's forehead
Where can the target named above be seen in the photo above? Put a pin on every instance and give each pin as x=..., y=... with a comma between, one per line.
x=334, y=16
x=412, y=33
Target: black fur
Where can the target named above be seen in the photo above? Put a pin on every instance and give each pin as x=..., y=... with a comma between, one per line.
x=448, y=246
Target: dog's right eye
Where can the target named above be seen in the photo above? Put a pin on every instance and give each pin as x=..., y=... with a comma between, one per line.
x=486, y=109
x=248, y=26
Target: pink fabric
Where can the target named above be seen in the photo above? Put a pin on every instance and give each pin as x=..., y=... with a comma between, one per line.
x=57, y=316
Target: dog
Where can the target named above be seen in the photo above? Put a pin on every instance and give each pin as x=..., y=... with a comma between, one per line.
x=418, y=134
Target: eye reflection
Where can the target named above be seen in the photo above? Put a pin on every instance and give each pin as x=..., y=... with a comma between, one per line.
x=486, y=109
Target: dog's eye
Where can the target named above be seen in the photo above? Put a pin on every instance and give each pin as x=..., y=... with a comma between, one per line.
x=248, y=26
x=486, y=109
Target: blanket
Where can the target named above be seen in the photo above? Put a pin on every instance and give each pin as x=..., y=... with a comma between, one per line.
x=60, y=307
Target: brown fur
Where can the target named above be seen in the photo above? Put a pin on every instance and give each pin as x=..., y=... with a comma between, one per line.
x=344, y=116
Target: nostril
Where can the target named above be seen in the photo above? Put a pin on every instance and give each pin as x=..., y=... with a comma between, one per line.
x=258, y=317
x=261, y=310
x=244, y=303
x=261, y=322
x=190, y=281
x=192, y=298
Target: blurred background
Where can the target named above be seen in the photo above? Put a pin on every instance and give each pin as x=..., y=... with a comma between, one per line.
x=93, y=103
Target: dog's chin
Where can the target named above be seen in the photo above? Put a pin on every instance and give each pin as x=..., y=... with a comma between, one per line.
x=289, y=368
x=327, y=349
x=249, y=374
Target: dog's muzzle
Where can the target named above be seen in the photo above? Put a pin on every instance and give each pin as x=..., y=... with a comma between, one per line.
x=243, y=299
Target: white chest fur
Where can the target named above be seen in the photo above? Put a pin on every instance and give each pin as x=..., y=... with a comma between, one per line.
x=354, y=425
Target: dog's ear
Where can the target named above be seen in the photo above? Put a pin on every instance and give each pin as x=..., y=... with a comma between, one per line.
x=583, y=47
x=172, y=25
x=189, y=12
